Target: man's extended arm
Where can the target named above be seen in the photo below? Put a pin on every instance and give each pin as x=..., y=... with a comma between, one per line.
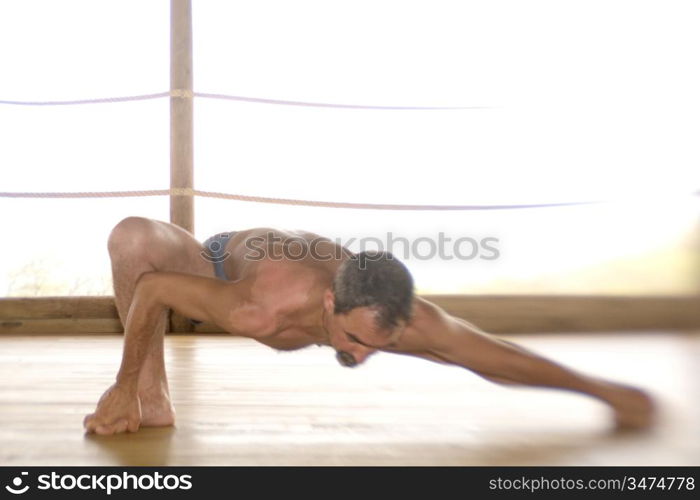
x=437, y=336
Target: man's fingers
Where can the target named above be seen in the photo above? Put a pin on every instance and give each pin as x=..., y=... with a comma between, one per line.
x=117, y=411
x=89, y=423
x=120, y=426
x=104, y=430
x=109, y=429
x=133, y=425
x=92, y=426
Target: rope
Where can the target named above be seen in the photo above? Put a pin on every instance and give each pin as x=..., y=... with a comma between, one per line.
x=187, y=94
x=90, y=194
x=260, y=100
x=284, y=201
x=375, y=206
x=102, y=100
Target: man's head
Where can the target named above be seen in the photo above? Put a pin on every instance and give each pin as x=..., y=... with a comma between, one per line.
x=368, y=306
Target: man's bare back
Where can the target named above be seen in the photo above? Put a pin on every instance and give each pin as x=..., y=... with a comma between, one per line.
x=289, y=290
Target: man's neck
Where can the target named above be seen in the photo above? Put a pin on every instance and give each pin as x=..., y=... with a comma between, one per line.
x=324, y=326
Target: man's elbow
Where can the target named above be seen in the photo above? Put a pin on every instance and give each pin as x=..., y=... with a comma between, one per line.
x=148, y=289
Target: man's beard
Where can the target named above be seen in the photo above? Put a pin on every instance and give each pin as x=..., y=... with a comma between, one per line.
x=345, y=359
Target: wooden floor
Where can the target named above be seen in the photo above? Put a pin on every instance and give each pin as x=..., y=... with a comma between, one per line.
x=240, y=403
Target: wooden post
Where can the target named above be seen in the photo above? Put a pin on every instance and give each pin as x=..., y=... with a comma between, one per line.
x=181, y=140
x=181, y=108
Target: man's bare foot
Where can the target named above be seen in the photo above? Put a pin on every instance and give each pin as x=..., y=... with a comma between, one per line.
x=156, y=408
x=118, y=410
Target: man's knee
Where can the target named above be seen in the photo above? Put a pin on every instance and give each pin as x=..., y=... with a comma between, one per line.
x=132, y=235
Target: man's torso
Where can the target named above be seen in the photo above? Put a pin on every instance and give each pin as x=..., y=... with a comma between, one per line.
x=289, y=272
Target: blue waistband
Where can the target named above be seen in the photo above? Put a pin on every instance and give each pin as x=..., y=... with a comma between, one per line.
x=215, y=247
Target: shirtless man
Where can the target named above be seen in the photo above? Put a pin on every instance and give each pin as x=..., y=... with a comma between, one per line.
x=289, y=290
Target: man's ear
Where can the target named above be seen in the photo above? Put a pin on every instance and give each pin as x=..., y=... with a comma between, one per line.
x=329, y=301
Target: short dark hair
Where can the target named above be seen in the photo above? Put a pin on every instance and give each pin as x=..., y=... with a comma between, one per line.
x=377, y=280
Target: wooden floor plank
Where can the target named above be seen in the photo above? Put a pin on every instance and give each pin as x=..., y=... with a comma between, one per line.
x=240, y=403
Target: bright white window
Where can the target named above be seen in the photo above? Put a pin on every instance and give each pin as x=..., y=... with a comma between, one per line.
x=585, y=101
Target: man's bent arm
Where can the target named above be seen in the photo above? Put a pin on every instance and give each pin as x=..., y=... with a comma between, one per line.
x=208, y=299
x=203, y=298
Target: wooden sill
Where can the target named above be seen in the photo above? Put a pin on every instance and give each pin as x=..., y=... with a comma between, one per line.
x=492, y=313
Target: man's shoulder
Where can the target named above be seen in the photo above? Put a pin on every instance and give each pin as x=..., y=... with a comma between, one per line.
x=425, y=313
x=427, y=319
x=291, y=271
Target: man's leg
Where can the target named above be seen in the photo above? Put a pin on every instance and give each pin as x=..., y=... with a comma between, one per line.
x=138, y=245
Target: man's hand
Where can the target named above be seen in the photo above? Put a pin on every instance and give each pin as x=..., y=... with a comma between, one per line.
x=118, y=410
x=634, y=409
